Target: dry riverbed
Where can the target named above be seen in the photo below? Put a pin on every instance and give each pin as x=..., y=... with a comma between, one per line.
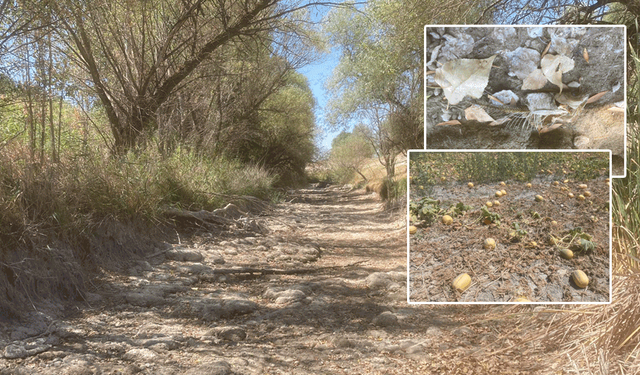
x=317, y=286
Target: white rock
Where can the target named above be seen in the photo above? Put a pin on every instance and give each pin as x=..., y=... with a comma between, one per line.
x=505, y=96
x=522, y=62
x=142, y=355
x=535, y=32
x=503, y=34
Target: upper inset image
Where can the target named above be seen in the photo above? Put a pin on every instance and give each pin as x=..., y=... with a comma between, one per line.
x=505, y=87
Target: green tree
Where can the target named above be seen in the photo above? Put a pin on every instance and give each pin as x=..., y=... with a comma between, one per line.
x=283, y=140
x=139, y=55
x=349, y=152
x=379, y=79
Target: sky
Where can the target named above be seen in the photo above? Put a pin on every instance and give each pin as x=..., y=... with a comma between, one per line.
x=317, y=74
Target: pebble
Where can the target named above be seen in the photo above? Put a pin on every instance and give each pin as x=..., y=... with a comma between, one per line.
x=385, y=319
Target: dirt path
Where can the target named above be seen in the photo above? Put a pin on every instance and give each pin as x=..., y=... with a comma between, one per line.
x=331, y=299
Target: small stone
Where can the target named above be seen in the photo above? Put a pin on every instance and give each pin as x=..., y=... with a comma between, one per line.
x=144, y=299
x=185, y=255
x=232, y=211
x=234, y=307
x=15, y=351
x=230, y=333
x=215, y=368
x=385, y=319
x=140, y=354
x=378, y=280
x=290, y=296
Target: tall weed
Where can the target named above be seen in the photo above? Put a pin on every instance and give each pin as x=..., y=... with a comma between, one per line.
x=84, y=188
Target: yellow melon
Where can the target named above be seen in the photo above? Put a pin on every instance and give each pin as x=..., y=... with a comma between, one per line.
x=580, y=279
x=489, y=244
x=461, y=282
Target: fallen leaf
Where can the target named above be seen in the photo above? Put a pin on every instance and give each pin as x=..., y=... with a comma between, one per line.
x=434, y=55
x=462, y=77
x=551, y=127
x=554, y=65
x=494, y=98
x=546, y=49
x=570, y=100
x=477, y=113
x=450, y=122
x=534, y=81
x=616, y=109
x=596, y=97
x=585, y=54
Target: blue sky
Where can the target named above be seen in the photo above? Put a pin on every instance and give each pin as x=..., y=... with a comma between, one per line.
x=317, y=74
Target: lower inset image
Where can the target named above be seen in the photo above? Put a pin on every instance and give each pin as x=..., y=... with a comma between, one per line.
x=509, y=226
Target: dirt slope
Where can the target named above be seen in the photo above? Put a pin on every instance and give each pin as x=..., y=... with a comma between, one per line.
x=317, y=287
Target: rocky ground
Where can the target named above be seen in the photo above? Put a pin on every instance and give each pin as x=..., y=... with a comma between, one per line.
x=316, y=286
x=597, y=67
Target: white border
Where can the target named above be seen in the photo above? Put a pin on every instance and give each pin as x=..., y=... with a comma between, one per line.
x=409, y=152
x=424, y=64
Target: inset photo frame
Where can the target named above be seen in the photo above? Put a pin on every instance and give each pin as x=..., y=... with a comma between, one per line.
x=526, y=87
x=509, y=227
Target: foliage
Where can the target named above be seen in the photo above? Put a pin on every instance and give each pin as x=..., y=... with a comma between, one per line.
x=136, y=57
x=489, y=167
x=283, y=140
x=398, y=191
x=458, y=209
x=517, y=233
x=428, y=168
x=83, y=189
x=349, y=152
x=378, y=80
x=488, y=217
x=424, y=211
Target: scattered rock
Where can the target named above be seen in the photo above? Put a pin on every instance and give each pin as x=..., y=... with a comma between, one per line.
x=380, y=280
x=342, y=342
x=229, y=333
x=385, y=319
x=26, y=349
x=219, y=260
x=144, y=299
x=166, y=343
x=216, y=368
x=185, y=255
x=252, y=225
x=234, y=307
x=290, y=296
x=522, y=61
x=462, y=331
x=196, y=268
x=140, y=355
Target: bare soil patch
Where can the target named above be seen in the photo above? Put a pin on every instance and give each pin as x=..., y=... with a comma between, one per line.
x=525, y=263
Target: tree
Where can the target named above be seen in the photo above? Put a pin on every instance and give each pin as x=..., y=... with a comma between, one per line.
x=137, y=55
x=379, y=79
x=349, y=151
x=380, y=72
x=283, y=139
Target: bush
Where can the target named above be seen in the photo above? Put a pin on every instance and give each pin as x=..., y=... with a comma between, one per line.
x=82, y=189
